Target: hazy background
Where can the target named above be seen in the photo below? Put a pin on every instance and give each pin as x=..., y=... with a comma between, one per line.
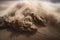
x=39, y=0
x=4, y=4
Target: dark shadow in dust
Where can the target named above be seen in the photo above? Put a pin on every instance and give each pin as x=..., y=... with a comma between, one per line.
x=18, y=32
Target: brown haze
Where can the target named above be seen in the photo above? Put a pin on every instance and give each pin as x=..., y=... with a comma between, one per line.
x=30, y=21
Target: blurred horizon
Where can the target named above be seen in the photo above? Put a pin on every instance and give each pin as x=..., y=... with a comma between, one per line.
x=4, y=4
x=55, y=1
